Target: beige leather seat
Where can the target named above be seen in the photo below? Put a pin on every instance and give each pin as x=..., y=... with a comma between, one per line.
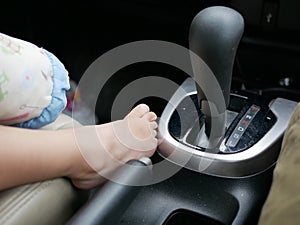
x=50, y=202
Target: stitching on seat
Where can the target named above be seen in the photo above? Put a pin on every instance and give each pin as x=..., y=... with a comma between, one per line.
x=16, y=195
x=21, y=191
x=28, y=197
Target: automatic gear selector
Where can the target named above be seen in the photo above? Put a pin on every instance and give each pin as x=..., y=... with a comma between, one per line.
x=214, y=36
x=209, y=129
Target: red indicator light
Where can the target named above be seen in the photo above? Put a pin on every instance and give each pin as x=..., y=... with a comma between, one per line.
x=245, y=122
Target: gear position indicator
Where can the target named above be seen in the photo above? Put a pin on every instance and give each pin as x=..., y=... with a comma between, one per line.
x=242, y=126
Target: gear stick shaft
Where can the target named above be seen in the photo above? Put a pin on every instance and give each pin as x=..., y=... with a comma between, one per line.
x=215, y=33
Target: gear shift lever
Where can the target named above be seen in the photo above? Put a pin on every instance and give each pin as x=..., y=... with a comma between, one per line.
x=252, y=142
x=214, y=36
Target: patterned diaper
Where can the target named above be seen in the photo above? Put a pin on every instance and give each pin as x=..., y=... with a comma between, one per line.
x=32, y=84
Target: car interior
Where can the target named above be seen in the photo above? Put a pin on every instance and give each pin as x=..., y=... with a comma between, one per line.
x=251, y=48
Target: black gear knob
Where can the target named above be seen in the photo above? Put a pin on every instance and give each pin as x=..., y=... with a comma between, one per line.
x=215, y=33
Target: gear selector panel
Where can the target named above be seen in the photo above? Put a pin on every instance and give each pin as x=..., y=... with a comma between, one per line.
x=250, y=123
x=242, y=126
x=254, y=129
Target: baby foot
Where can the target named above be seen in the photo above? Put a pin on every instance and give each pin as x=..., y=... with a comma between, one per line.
x=135, y=133
x=133, y=137
x=141, y=124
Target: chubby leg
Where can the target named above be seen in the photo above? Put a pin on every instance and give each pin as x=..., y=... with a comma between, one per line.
x=87, y=154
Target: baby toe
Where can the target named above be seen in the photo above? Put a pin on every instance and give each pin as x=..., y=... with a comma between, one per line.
x=150, y=116
x=153, y=125
x=138, y=111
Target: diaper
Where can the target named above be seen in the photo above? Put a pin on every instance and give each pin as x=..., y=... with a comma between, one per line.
x=33, y=83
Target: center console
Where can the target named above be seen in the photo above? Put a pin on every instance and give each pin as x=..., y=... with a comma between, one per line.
x=229, y=141
x=223, y=144
x=251, y=142
x=221, y=133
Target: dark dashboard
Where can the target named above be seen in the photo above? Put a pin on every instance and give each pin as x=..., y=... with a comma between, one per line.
x=79, y=32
